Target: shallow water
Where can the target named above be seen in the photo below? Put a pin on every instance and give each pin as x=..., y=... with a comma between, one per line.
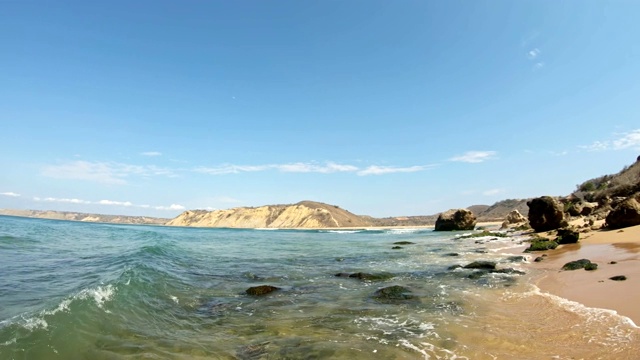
x=73, y=290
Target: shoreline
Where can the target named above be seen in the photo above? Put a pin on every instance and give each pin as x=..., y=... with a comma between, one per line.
x=617, y=252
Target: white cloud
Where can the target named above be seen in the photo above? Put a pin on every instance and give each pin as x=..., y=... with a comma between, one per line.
x=381, y=170
x=299, y=167
x=629, y=140
x=534, y=53
x=151, y=153
x=492, y=192
x=102, y=172
x=314, y=168
x=9, y=193
x=474, y=156
x=63, y=200
x=114, y=203
x=538, y=65
x=171, y=207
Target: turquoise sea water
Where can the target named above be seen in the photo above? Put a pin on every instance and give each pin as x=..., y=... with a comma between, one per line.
x=72, y=290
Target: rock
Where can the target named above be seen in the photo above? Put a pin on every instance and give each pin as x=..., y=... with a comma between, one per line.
x=567, y=236
x=545, y=213
x=366, y=276
x=517, y=258
x=507, y=271
x=455, y=219
x=451, y=254
x=453, y=267
x=395, y=292
x=396, y=247
x=538, y=259
x=626, y=214
x=254, y=351
x=485, y=265
x=588, y=208
x=591, y=266
x=578, y=264
x=403, y=243
x=514, y=217
x=541, y=245
x=261, y=290
x=618, y=278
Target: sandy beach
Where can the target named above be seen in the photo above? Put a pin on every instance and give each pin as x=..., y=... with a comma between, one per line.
x=617, y=252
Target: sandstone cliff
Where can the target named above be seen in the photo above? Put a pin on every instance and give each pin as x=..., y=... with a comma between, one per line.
x=74, y=216
x=305, y=214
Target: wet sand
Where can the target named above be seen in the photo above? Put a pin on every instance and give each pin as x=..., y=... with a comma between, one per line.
x=617, y=252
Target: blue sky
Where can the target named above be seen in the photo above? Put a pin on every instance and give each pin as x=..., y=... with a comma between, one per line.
x=385, y=108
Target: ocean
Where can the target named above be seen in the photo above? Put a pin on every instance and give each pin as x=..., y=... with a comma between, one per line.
x=72, y=290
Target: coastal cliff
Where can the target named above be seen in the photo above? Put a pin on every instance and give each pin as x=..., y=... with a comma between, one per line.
x=305, y=214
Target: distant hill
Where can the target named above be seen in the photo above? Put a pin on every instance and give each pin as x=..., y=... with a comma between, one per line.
x=74, y=216
x=305, y=214
x=499, y=210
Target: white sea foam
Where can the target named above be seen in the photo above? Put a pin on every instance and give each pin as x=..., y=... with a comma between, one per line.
x=100, y=295
x=7, y=343
x=343, y=231
x=175, y=299
x=403, y=231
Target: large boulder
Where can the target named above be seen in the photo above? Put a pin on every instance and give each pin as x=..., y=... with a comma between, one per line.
x=514, y=217
x=456, y=219
x=545, y=213
x=625, y=214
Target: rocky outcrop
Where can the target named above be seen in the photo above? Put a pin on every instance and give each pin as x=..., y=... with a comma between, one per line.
x=545, y=213
x=456, y=219
x=625, y=214
x=305, y=214
x=514, y=217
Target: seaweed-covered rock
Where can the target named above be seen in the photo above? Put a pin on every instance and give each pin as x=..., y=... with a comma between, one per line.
x=456, y=219
x=567, y=236
x=484, y=265
x=394, y=292
x=541, y=245
x=578, y=264
x=618, y=278
x=261, y=290
x=396, y=248
x=538, y=259
x=517, y=258
x=545, y=213
x=625, y=214
x=591, y=266
x=403, y=243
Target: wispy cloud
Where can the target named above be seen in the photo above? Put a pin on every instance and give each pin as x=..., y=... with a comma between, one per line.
x=533, y=53
x=492, y=192
x=114, y=203
x=151, y=153
x=11, y=194
x=628, y=140
x=107, y=203
x=103, y=172
x=299, y=167
x=474, y=156
x=538, y=65
x=171, y=207
x=382, y=170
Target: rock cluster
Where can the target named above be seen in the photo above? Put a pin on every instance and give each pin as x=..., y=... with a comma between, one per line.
x=625, y=214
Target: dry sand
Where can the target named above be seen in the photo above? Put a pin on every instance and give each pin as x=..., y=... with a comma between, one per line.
x=594, y=288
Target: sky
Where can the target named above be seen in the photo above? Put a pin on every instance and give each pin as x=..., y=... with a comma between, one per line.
x=384, y=108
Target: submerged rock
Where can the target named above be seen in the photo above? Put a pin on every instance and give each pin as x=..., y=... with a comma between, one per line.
x=367, y=276
x=251, y=352
x=396, y=247
x=261, y=290
x=517, y=258
x=403, y=243
x=394, y=292
x=579, y=264
x=485, y=265
x=455, y=219
x=545, y=213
